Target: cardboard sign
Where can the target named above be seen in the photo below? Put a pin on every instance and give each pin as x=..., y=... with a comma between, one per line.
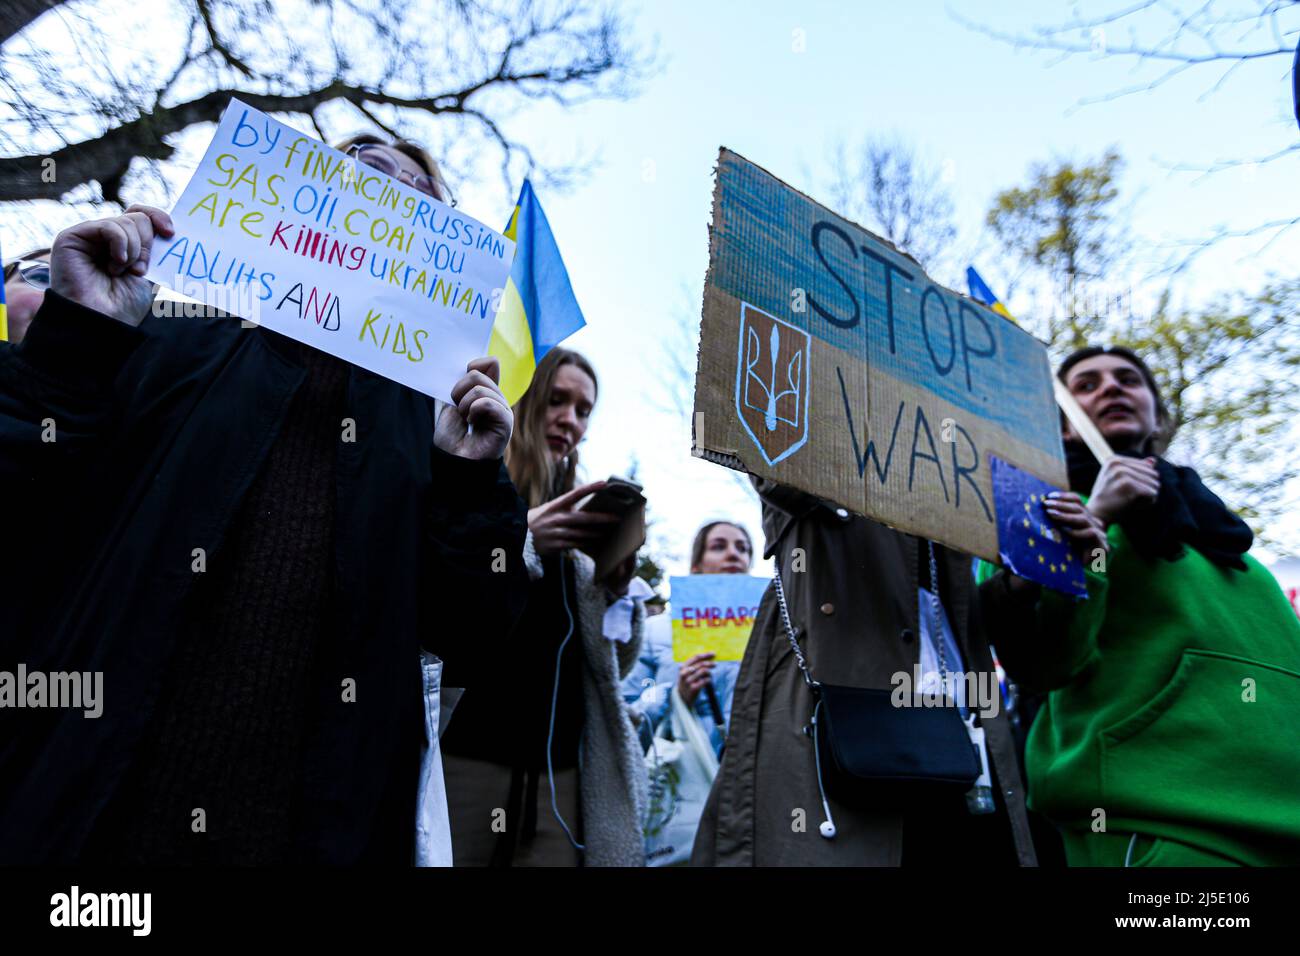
x=714, y=612
x=831, y=363
x=283, y=231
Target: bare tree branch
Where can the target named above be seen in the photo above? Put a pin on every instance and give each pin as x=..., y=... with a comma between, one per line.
x=15, y=15
x=399, y=63
x=1191, y=42
x=205, y=13
x=1222, y=164
x=1179, y=38
x=1274, y=229
x=888, y=187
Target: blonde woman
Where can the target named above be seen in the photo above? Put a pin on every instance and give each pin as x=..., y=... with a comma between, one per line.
x=543, y=766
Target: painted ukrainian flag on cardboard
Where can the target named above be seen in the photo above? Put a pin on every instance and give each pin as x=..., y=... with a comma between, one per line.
x=714, y=612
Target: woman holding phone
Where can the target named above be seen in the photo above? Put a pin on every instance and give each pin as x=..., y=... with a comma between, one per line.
x=543, y=766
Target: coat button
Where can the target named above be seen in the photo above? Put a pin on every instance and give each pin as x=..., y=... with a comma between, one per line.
x=828, y=608
x=842, y=514
x=907, y=635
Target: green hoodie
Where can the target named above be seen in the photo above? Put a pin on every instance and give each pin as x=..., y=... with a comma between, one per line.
x=1174, y=714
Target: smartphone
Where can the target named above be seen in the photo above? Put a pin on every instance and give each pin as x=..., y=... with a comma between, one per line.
x=618, y=497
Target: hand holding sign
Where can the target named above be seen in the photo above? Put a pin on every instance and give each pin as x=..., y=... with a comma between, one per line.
x=101, y=264
x=1071, y=515
x=695, y=673
x=478, y=425
x=1122, y=483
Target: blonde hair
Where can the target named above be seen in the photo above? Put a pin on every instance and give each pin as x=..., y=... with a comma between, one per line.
x=528, y=458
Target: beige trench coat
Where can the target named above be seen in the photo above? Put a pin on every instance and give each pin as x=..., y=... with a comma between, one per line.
x=854, y=610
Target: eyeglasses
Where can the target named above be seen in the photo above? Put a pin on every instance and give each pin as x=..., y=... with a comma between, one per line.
x=380, y=158
x=35, y=272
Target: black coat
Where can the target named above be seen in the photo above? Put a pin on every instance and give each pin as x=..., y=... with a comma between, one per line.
x=158, y=434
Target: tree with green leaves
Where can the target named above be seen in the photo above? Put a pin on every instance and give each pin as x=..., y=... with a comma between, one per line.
x=1248, y=42
x=1227, y=369
x=1063, y=231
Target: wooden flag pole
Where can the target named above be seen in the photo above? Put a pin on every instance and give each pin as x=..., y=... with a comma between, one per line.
x=1083, y=426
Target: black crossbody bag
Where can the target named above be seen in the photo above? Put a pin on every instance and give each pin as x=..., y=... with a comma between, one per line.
x=870, y=752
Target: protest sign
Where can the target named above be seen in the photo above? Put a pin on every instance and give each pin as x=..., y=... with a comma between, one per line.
x=714, y=612
x=831, y=363
x=283, y=231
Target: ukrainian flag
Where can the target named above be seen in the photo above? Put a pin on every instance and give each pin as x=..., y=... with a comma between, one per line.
x=980, y=292
x=538, y=310
x=4, y=317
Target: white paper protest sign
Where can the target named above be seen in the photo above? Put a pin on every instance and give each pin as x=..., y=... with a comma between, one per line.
x=284, y=231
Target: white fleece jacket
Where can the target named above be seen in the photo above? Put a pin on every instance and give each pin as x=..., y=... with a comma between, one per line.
x=612, y=778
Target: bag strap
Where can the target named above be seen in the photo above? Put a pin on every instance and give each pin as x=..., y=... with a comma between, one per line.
x=936, y=619
x=789, y=633
x=936, y=624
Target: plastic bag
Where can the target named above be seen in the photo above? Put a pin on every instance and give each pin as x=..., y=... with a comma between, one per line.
x=681, y=766
x=432, y=818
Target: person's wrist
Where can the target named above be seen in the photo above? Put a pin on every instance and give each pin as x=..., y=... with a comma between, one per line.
x=74, y=284
x=78, y=341
x=1099, y=512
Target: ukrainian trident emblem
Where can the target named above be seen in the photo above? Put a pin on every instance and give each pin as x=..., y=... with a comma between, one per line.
x=773, y=366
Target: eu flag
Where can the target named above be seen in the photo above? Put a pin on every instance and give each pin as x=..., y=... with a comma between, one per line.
x=1028, y=543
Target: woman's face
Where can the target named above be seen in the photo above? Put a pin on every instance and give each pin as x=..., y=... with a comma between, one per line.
x=726, y=551
x=573, y=395
x=401, y=167
x=21, y=302
x=1115, y=396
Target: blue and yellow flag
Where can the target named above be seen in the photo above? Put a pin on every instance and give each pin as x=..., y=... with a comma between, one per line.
x=4, y=317
x=538, y=310
x=980, y=292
